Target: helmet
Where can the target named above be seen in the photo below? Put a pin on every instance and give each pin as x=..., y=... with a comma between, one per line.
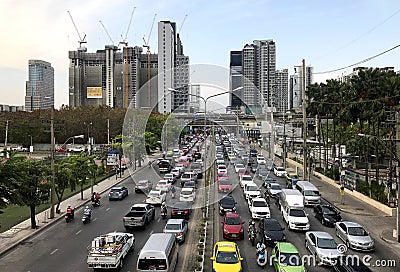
x=69, y=206
x=87, y=207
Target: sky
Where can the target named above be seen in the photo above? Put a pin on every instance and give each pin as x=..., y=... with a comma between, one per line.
x=327, y=34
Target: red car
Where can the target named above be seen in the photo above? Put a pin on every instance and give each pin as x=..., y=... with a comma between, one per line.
x=232, y=226
x=223, y=176
x=224, y=186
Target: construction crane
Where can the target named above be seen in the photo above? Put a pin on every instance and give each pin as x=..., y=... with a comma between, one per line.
x=146, y=44
x=184, y=19
x=108, y=34
x=81, y=40
x=125, y=42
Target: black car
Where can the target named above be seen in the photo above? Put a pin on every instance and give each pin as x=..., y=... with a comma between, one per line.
x=253, y=152
x=327, y=215
x=181, y=209
x=350, y=265
x=118, y=193
x=268, y=180
x=227, y=204
x=254, y=167
x=273, y=231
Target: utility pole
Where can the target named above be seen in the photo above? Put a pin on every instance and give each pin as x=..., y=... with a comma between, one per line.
x=108, y=131
x=5, y=141
x=303, y=92
x=284, y=141
x=52, y=191
x=398, y=176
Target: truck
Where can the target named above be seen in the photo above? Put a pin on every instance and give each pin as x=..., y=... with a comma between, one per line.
x=109, y=250
x=140, y=215
x=291, y=203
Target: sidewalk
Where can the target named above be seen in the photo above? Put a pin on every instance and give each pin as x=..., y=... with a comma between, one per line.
x=22, y=232
x=378, y=223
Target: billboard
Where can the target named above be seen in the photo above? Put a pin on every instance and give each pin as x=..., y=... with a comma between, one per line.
x=94, y=92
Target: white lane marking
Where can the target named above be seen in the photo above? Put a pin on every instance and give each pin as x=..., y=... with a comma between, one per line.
x=54, y=251
x=158, y=220
x=151, y=232
x=94, y=219
x=78, y=232
x=108, y=209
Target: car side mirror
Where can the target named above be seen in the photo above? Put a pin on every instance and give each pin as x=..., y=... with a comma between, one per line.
x=240, y=259
x=212, y=259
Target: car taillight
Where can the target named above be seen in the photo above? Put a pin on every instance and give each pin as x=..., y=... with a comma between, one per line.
x=172, y=212
x=186, y=211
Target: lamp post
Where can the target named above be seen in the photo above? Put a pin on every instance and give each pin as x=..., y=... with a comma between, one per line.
x=53, y=171
x=31, y=146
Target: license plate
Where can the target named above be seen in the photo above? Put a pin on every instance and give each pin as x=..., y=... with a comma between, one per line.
x=234, y=235
x=179, y=213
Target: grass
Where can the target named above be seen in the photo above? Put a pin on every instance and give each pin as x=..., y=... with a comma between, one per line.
x=14, y=214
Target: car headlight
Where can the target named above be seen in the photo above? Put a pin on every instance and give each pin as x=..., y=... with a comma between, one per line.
x=267, y=237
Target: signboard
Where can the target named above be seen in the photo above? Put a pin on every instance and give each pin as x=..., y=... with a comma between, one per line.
x=112, y=159
x=94, y=92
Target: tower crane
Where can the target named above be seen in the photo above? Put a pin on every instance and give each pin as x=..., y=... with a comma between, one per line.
x=81, y=40
x=146, y=44
x=184, y=19
x=108, y=34
x=123, y=39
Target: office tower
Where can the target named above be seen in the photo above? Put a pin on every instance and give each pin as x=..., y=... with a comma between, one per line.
x=40, y=86
x=180, y=100
x=281, y=90
x=295, y=85
x=235, y=79
x=194, y=104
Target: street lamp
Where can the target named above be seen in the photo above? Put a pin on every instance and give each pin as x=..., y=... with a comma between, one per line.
x=205, y=100
x=89, y=142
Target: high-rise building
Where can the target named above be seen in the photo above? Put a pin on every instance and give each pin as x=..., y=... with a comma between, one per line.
x=236, y=79
x=40, y=86
x=256, y=71
x=281, y=90
x=295, y=85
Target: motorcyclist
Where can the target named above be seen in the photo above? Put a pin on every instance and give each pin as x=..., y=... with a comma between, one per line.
x=87, y=211
x=252, y=227
x=96, y=198
x=173, y=191
x=70, y=211
x=163, y=209
x=260, y=247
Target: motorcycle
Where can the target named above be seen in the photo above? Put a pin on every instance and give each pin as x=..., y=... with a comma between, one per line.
x=69, y=216
x=261, y=258
x=163, y=213
x=252, y=235
x=86, y=218
x=96, y=203
x=172, y=194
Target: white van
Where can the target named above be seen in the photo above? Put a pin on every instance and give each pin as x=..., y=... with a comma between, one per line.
x=160, y=253
x=292, y=207
x=310, y=192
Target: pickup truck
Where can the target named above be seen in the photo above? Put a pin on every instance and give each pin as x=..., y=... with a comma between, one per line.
x=108, y=251
x=140, y=215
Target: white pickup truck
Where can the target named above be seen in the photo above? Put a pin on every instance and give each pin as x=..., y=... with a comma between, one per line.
x=292, y=207
x=108, y=251
x=259, y=208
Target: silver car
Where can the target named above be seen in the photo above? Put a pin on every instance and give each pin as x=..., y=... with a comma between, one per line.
x=354, y=235
x=322, y=245
x=179, y=227
x=274, y=189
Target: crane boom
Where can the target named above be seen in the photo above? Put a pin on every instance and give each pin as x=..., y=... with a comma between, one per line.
x=77, y=31
x=108, y=34
x=129, y=25
x=151, y=30
x=184, y=19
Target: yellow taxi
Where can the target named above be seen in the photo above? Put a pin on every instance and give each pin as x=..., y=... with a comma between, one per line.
x=226, y=257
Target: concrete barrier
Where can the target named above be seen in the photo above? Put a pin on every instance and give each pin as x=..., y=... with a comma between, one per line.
x=372, y=202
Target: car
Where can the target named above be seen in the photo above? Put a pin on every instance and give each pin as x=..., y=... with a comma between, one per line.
x=181, y=209
x=190, y=184
x=176, y=172
x=235, y=161
x=226, y=257
x=273, y=189
x=291, y=179
x=219, y=161
x=180, y=166
x=354, y=235
x=254, y=167
x=269, y=165
x=231, y=155
x=259, y=208
x=188, y=176
x=156, y=197
x=261, y=160
x=242, y=172
x=178, y=227
x=253, y=152
x=170, y=178
x=245, y=179
x=199, y=161
x=267, y=180
x=279, y=171
x=222, y=176
x=143, y=186
x=239, y=166
x=286, y=257
x=232, y=226
x=187, y=194
x=163, y=185
x=262, y=173
x=251, y=190
x=227, y=204
x=118, y=193
x=224, y=186
x=272, y=231
x=322, y=245
x=221, y=168
x=61, y=149
x=327, y=215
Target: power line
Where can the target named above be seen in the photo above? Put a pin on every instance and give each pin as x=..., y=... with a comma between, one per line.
x=357, y=63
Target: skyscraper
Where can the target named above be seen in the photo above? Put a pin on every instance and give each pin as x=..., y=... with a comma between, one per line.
x=40, y=86
x=236, y=79
x=281, y=90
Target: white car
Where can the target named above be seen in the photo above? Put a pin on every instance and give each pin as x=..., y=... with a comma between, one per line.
x=261, y=160
x=245, y=179
x=220, y=161
x=156, y=197
x=187, y=194
x=176, y=172
x=180, y=166
x=163, y=185
x=279, y=171
x=274, y=189
x=259, y=208
x=222, y=168
x=251, y=190
x=239, y=166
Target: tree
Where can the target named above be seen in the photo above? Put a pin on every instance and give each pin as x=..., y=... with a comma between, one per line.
x=82, y=167
x=64, y=178
x=29, y=181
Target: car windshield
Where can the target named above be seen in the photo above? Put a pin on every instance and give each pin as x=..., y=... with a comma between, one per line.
x=232, y=221
x=189, y=184
x=311, y=193
x=273, y=226
x=247, y=178
x=275, y=187
x=116, y=190
x=357, y=231
x=252, y=188
x=242, y=170
x=173, y=227
x=290, y=259
x=186, y=176
x=227, y=201
x=239, y=165
x=225, y=182
x=280, y=169
x=168, y=176
x=297, y=213
x=143, y=183
x=329, y=211
x=326, y=243
x=153, y=194
x=186, y=192
x=221, y=166
x=227, y=257
x=259, y=204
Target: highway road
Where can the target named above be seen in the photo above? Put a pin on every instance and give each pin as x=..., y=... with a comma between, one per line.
x=382, y=251
x=63, y=246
